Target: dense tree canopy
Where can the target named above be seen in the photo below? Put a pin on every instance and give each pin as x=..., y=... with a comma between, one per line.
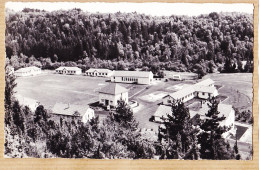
x=179, y=43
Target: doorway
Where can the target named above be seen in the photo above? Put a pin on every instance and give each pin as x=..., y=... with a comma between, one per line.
x=106, y=102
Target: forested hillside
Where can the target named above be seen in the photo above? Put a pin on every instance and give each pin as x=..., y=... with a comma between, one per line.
x=116, y=41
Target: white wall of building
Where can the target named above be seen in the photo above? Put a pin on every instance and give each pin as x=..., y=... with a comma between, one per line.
x=100, y=74
x=138, y=80
x=168, y=100
x=205, y=95
x=229, y=122
x=70, y=72
x=112, y=98
x=88, y=115
x=28, y=72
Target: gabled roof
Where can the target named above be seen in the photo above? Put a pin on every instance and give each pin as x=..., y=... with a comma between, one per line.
x=224, y=110
x=163, y=111
x=205, y=82
x=100, y=70
x=69, y=68
x=182, y=93
x=132, y=73
x=69, y=109
x=206, y=89
x=113, y=88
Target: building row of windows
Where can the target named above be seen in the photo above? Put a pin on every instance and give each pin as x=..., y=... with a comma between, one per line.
x=187, y=96
x=61, y=71
x=103, y=100
x=100, y=74
x=129, y=79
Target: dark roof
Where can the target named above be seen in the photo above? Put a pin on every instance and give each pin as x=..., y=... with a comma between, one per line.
x=113, y=88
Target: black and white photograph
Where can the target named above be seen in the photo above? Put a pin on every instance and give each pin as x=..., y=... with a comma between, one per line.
x=122, y=80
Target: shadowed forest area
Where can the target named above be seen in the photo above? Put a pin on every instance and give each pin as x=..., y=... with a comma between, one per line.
x=202, y=44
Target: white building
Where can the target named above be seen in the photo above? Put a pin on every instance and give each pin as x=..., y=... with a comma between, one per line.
x=139, y=77
x=207, y=82
x=225, y=110
x=182, y=95
x=109, y=95
x=98, y=72
x=27, y=71
x=162, y=112
x=84, y=112
x=68, y=70
x=176, y=77
x=203, y=90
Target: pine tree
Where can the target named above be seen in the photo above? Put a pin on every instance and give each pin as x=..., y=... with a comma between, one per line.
x=124, y=115
x=179, y=135
x=213, y=145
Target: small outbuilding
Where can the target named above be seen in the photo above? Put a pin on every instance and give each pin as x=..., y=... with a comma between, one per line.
x=84, y=112
x=176, y=77
x=110, y=94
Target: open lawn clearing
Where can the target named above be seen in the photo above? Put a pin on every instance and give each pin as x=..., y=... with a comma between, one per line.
x=242, y=82
x=237, y=86
x=51, y=88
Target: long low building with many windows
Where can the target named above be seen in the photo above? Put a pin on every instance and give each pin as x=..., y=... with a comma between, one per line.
x=99, y=72
x=27, y=71
x=68, y=70
x=138, y=77
x=203, y=90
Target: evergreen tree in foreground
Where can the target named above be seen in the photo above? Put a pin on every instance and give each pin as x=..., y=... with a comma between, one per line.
x=213, y=145
x=179, y=138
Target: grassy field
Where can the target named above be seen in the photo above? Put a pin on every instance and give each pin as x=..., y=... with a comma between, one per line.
x=238, y=87
x=51, y=88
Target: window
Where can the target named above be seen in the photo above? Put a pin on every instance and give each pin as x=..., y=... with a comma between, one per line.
x=102, y=100
x=169, y=101
x=122, y=78
x=203, y=93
